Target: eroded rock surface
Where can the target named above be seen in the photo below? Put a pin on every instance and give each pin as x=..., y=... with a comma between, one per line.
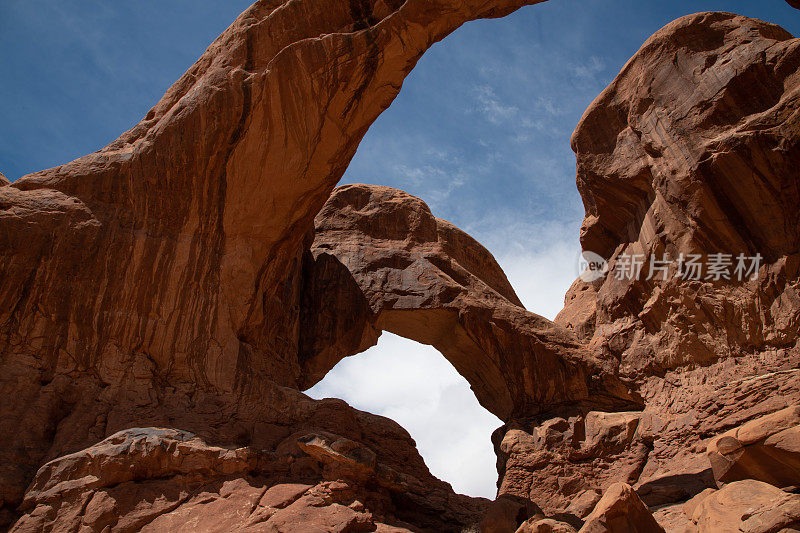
x=159, y=479
x=694, y=156
x=620, y=511
x=766, y=449
x=562, y=461
x=693, y=150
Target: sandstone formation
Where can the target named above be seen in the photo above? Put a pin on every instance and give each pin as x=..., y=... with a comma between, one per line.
x=562, y=461
x=153, y=477
x=150, y=479
x=545, y=525
x=700, y=165
x=381, y=261
x=693, y=149
x=695, y=155
x=164, y=301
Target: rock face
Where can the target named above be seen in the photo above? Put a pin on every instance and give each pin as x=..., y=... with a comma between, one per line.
x=766, y=449
x=694, y=155
x=163, y=270
x=164, y=300
x=156, y=479
x=692, y=150
x=150, y=479
x=688, y=157
x=558, y=461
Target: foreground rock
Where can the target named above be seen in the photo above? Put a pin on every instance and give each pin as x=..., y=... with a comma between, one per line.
x=156, y=479
x=620, y=511
x=564, y=463
x=745, y=506
x=545, y=525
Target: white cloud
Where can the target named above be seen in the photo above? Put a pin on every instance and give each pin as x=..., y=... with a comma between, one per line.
x=414, y=385
x=549, y=106
x=541, y=277
x=540, y=258
x=589, y=69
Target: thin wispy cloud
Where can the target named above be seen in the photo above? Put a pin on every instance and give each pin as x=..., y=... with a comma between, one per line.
x=492, y=108
x=590, y=69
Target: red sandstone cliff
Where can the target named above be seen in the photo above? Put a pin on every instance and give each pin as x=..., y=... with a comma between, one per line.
x=164, y=299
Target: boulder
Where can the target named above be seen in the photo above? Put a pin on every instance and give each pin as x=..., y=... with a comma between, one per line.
x=620, y=511
x=545, y=525
x=507, y=513
x=766, y=449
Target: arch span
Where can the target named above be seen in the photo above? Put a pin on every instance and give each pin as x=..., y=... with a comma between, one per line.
x=381, y=261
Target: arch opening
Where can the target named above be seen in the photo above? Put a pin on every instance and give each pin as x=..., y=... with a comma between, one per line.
x=414, y=385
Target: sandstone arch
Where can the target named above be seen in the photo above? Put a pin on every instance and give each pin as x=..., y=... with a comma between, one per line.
x=160, y=275
x=380, y=261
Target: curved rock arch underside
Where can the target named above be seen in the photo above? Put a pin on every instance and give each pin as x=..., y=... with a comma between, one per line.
x=164, y=301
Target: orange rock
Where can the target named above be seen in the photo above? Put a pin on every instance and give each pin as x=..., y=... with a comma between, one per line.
x=381, y=261
x=667, y=159
x=178, y=278
x=692, y=150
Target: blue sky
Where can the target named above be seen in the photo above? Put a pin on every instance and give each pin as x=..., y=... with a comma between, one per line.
x=480, y=131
